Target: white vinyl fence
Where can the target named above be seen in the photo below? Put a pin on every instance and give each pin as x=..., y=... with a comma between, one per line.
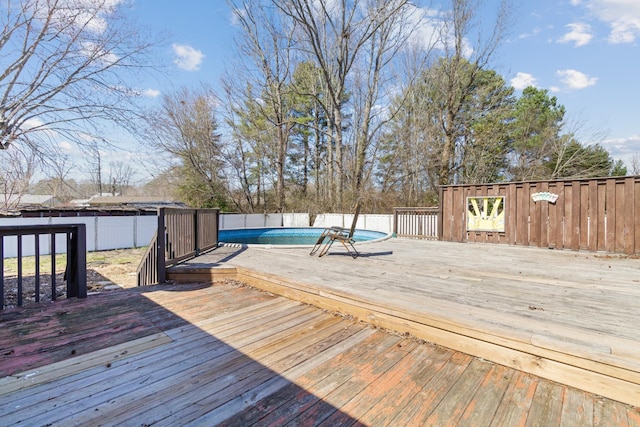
x=103, y=233
x=383, y=223
x=122, y=232
x=228, y=221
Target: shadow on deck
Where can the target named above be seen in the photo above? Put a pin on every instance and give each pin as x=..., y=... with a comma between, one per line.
x=137, y=356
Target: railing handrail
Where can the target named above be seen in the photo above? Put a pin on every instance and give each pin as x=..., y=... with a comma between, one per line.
x=182, y=233
x=23, y=230
x=413, y=222
x=417, y=208
x=76, y=268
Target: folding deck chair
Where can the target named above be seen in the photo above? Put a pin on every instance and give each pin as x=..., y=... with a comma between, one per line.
x=340, y=234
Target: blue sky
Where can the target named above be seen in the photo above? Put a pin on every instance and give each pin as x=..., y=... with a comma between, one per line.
x=585, y=52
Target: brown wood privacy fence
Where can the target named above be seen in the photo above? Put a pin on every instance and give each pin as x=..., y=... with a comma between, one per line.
x=41, y=240
x=184, y=233
x=595, y=214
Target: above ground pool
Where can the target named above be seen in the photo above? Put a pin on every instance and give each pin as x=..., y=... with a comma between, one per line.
x=287, y=236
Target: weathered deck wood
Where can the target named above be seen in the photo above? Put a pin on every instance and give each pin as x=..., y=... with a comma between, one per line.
x=567, y=316
x=231, y=355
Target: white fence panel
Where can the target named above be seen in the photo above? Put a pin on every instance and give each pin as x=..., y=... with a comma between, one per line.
x=114, y=232
x=103, y=233
x=232, y=221
x=228, y=221
x=382, y=223
x=295, y=219
x=145, y=229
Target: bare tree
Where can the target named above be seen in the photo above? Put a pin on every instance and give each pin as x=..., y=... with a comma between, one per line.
x=462, y=65
x=266, y=47
x=350, y=41
x=94, y=167
x=331, y=34
x=185, y=128
x=635, y=164
x=65, y=65
x=120, y=175
x=58, y=182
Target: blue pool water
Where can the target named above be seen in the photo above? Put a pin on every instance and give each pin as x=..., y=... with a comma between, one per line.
x=287, y=235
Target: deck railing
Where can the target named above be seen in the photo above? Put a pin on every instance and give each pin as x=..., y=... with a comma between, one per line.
x=419, y=223
x=181, y=234
x=75, y=271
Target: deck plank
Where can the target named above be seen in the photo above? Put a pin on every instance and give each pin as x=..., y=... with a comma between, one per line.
x=546, y=407
x=460, y=395
x=433, y=391
x=514, y=408
x=427, y=362
x=577, y=409
x=487, y=398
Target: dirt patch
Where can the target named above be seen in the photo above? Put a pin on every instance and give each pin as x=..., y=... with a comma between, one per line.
x=106, y=271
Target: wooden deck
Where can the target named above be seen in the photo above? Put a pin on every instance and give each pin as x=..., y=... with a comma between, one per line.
x=231, y=355
x=223, y=353
x=570, y=317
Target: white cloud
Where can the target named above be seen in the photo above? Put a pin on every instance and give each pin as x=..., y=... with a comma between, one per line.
x=151, y=93
x=623, y=17
x=533, y=33
x=236, y=15
x=429, y=30
x=625, y=149
x=622, y=146
x=579, y=34
x=523, y=80
x=187, y=58
x=34, y=123
x=86, y=15
x=65, y=146
x=93, y=51
x=574, y=79
x=426, y=24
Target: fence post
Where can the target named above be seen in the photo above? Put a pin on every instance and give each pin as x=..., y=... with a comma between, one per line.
x=440, y=212
x=395, y=221
x=196, y=231
x=161, y=239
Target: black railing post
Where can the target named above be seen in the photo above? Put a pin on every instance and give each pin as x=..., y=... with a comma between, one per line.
x=36, y=243
x=19, y=270
x=53, y=266
x=76, y=271
x=160, y=255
